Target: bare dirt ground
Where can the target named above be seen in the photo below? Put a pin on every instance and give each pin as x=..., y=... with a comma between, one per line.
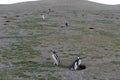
x=26, y=40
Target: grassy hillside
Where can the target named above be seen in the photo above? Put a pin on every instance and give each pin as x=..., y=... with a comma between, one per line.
x=26, y=40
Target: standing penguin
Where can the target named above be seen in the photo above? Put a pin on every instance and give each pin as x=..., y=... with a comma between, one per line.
x=76, y=64
x=55, y=58
x=66, y=24
x=43, y=17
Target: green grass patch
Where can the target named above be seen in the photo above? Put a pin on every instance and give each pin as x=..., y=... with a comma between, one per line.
x=97, y=57
x=21, y=67
x=27, y=63
x=38, y=79
x=33, y=20
x=24, y=66
x=32, y=23
x=20, y=51
x=105, y=33
x=5, y=74
x=52, y=78
x=29, y=25
x=21, y=74
x=31, y=64
x=18, y=36
x=78, y=22
x=48, y=59
x=74, y=54
x=47, y=64
x=115, y=62
x=105, y=21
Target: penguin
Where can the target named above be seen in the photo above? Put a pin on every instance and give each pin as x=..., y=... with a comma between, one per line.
x=76, y=64
x=79, y=60
x=43, y=17
x=66, y=24
x=55, y=58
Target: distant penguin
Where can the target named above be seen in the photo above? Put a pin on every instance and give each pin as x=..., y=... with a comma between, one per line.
x=43, y=17
x=49, y=10
x=66, y=23
x=55, y=58
x=76, y=64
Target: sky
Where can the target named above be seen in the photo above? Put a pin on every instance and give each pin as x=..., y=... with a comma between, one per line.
x=107, y=2
x=13, y=1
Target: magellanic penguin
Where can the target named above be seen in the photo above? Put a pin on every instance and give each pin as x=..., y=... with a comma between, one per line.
x=66, y=23
x=55, y=58
x=43, y=17
x=76, y=64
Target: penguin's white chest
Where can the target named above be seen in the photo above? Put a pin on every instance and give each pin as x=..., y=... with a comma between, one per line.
x=54, y=59
x=43, y=17
x=75, y=66
x=79, y=62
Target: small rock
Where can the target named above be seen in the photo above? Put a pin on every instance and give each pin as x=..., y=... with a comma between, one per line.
x=7, y=21
x=91, y=28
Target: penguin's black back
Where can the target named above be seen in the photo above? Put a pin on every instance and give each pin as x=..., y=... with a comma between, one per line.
x=72, y=66
x=57, y=57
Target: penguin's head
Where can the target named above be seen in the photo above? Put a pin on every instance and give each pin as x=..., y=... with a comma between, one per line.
x=79, y=58
x=54, y=52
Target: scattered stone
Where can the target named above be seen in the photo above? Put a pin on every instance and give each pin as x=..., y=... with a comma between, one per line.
x=4, y=16
x=17, y=16
x=25, y=14
x=8, y=21
x=5, y=24
x=91, y=28
x=62, y=26
x=106, y=49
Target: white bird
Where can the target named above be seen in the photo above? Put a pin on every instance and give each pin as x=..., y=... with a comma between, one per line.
x=55, y=58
